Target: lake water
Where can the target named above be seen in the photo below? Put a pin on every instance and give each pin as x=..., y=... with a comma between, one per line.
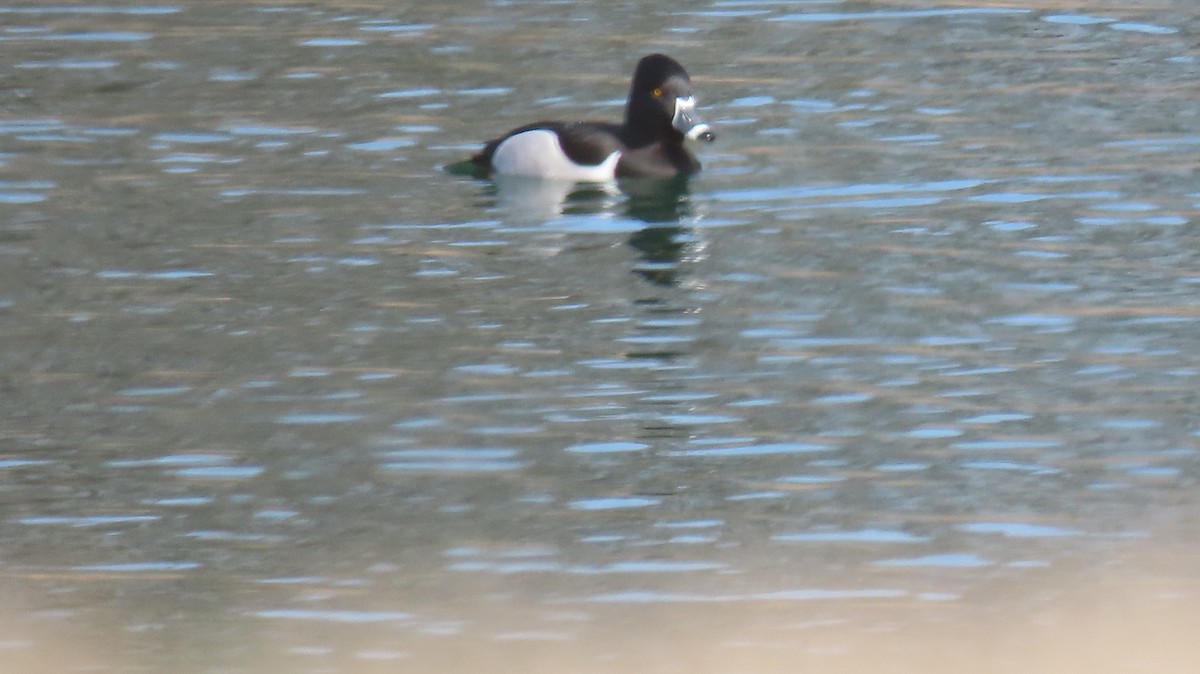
x=905, y=381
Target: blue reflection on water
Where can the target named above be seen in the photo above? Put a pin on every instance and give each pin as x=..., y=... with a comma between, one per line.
x=607, y=447
x=138, y=567
x=756, y=450
x=947, y=560
x=1018, y=529
x=336, y=616
x=614, y=503
x=859, y=536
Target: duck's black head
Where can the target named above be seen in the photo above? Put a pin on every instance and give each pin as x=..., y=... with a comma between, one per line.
x=661, y=104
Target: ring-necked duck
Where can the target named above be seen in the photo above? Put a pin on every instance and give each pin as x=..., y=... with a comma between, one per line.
x=659, y=116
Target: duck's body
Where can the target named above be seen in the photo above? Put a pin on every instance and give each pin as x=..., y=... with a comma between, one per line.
x=650, y=142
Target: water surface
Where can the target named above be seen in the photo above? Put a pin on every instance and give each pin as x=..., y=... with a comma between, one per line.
x=905, y=376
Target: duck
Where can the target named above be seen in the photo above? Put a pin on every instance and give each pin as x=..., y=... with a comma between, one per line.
x=660, y=116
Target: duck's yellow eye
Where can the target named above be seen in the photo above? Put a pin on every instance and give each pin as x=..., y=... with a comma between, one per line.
x=658, y=92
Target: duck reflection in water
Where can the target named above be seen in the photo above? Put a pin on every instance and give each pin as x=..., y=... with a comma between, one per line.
x=663, y=243
x=659, y=205
x=537, y=200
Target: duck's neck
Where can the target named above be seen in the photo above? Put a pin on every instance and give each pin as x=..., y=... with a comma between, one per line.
x=636, y=136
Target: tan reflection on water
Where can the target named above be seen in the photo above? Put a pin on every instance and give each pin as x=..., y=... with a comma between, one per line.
x=1137, y=612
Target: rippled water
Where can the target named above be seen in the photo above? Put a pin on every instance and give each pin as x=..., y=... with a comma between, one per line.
x=904, y=381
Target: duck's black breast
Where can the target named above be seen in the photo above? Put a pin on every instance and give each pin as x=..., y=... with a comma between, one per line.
x=663, y=159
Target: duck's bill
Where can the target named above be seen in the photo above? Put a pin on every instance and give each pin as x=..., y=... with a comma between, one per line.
x=701, y=132
x=686, y=123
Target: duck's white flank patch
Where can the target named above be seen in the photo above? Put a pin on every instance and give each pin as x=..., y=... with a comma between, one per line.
x=538, y=153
